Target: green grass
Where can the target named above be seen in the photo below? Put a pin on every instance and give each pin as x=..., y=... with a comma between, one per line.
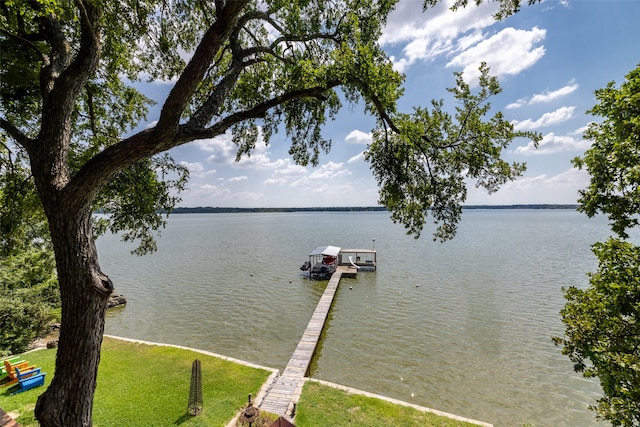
x=146, y=385
x=339, y=408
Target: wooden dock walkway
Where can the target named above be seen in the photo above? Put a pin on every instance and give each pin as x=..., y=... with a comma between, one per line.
x=285, y=390
x=6, y=420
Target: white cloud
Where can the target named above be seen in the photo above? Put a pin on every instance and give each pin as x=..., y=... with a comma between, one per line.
x=197, y=169
x=286, y=173
x=336, y=189
x=434, y=32
x=514, y=105
x=275, y=181
x=290, y=169
x=359, y=137
x=552, y=143
x=553, y=95
x=326, y=172
x=408, y=22
x=357, y=158
x=561, y=188
x=562, y=114
x=580, y=131
x=329, y=171
x=546, y=96
x=238, y=178
x=224, y=151
x=222, y=147
x=209, y=190
x=508, y=52
x=573, y=177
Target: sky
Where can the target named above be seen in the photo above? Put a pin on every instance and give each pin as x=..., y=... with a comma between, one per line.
x=549, y=58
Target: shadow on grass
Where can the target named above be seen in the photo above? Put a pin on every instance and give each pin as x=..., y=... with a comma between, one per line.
x=183, y=419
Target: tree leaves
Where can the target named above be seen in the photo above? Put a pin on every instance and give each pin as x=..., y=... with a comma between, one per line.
x=602, y=329
x=613, y=161
x=422, y=160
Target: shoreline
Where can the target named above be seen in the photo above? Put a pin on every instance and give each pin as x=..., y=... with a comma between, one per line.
x=275, y=373
x=41, y=344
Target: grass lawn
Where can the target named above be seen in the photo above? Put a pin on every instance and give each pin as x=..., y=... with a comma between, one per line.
x=339, y=408
x=145, y=385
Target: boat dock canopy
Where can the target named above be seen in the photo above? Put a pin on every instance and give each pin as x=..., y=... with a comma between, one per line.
x=326, y=250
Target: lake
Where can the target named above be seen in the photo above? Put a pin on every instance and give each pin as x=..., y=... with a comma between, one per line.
x=463, y=326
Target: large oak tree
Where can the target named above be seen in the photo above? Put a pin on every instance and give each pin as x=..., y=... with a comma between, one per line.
x=69, y=109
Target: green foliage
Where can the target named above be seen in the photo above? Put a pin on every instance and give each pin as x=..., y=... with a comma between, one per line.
x=602, y=332
x=29, y=297
x=613, y=161
x=136, y=199
x=72, y=143
x=278, y=69
x=20, y=323
x=22, y=222
x=422, y=161
x=29, y=294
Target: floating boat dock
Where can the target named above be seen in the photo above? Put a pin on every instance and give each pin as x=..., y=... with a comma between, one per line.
x=281, y=397
x=324, y=260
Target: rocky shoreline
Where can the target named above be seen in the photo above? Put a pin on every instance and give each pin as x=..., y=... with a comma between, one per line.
x=50, y=338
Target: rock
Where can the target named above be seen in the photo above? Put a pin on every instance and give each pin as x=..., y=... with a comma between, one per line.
x=52, y=344
x=116, y=300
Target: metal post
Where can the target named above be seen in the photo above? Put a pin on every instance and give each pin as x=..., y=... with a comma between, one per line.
x=195, y=391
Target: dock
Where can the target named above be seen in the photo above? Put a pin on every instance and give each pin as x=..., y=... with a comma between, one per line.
x=284, y=392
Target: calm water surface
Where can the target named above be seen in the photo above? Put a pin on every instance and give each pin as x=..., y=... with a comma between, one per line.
x=464, y=326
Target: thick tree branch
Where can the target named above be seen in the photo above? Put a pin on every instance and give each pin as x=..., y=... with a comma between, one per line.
x=61, y=83
x=25, y=42
x=214, y=102
x=105, y=165
x=262, y=108
x=193, y=73
x=16, y=134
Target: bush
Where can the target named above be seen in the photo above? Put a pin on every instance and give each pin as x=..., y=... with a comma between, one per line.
x=29, y=298
x=20, y=323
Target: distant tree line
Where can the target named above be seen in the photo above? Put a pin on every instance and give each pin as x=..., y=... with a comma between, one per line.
x=209, y=209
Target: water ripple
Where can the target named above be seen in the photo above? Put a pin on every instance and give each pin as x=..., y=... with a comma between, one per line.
x=463, y=326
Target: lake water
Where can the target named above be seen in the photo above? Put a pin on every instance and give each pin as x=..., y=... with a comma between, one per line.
x=463, y=326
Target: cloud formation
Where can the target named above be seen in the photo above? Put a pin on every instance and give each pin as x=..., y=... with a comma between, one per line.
x=359, y=137
x=437, y=31
x=562, y=114
x=507, y=53
x=546, y=96
x=460, y=36
x=552, y=143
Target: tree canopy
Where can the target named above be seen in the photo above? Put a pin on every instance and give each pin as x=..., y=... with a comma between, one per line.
x=70, y=122
x=602, y=328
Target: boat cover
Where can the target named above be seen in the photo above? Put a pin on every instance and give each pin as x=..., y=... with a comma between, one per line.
x=326, y=250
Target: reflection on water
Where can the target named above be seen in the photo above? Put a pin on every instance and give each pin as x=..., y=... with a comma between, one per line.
x=462, y=327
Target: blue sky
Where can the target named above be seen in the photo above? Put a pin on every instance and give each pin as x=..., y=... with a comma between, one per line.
x=549, y=58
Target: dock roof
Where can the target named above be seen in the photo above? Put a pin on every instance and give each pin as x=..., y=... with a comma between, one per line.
x=326, y=250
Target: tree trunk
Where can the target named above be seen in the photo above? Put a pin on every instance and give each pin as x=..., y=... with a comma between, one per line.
x=84, y=290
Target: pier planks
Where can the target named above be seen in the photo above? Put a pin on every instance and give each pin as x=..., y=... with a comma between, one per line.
x=280, y=397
